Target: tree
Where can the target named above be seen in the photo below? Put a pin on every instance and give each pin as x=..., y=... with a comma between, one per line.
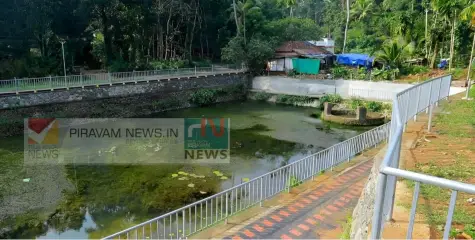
x=288, y=4
x=347, y=22
x=395, y=52
x=468, y=14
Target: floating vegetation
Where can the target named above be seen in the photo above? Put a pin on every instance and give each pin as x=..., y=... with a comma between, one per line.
x=203, y=192
x=191, y=185
x=224, y=178
x=218, y=173
x=183, y=178
x=245, y=179
x=183, y=173
x=174, y=175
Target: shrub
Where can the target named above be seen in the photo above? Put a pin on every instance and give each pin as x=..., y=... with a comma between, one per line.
x=119, y=66
x=356, y=102
x=262, y=96
x=340, y=72
x=414, y=69
x=374, y=106
x=292, y=73
x=289, y=99
x=204, y=97
x=167, y=64
x=331, y=98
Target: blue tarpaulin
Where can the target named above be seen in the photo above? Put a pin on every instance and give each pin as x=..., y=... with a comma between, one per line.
x=354, y=59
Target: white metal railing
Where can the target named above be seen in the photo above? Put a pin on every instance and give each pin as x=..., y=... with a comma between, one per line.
x=406, y=105
x=71, y=81
x=204, y=213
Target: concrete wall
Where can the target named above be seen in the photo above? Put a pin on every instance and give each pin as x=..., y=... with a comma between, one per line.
x=114, y=101
x=363, y=89
x=364, y=209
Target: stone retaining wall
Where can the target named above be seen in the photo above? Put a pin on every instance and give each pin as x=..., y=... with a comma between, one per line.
x=364, y=209
x=115, y=101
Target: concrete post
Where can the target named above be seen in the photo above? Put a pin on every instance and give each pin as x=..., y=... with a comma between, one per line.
x=361, y=114
x=50, y=83
x=195, y=72
x=16, y=85
x=429, y=124
x=327, y=108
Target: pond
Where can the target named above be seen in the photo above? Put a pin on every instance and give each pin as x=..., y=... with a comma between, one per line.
x=84, y=201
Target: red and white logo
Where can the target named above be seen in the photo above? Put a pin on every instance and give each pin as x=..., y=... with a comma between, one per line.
x=43, y=131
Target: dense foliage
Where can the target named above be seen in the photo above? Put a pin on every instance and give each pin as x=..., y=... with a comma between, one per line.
x=121, y=35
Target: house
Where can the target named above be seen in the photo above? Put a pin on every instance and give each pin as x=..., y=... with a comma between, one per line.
x=302, y=56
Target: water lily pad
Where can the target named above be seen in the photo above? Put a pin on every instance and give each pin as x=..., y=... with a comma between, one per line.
x=191, y=185
x=218, y=173
x=183, y=173
x=245, y=179
x=203, y=192
x=174, y=175
x=224, y=178
x=183, y=178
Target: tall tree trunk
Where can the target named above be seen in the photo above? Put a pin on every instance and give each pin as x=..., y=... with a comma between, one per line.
x=192, y=32
x=244, y=25
x=236, y=18
x=107, y=36
x=291, y=11
x=452, y=41
x=434, y=55
x=426, y=36
x=347, y=22
x=167, y=37
x=470, y=68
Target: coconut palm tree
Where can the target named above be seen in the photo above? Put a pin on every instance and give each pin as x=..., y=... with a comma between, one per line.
x=394, y=52
x=362, y=9
x=468, y=14
x=288, y=4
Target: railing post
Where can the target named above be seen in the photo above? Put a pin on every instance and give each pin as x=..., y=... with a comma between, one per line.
x=212, y=69
x=66, y=81
x=133, y=76
x=109, y=78
x=80, y=80
x=438, y=94
x=333, y=158
x=195, y=72
x=50, y=83
x=429, y=124
x=260, y=193
x=289, y=178
x=391, y=181
x=430, y=97
x=16, y=85
x=417, y=102
x=227, y=212
x=377, y=222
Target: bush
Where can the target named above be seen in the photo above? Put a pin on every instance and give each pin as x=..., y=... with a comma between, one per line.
x=120, y=66
x=384, y=74
x=356, y=102
x=414, y=69
x=167, y=64
x=331, y=98
x=204, y=97
x=262, y=96
x=340, y=72
x=374, y=106
x=289, y=99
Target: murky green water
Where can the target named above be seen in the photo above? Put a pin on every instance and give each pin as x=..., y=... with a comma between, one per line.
x=94, y=201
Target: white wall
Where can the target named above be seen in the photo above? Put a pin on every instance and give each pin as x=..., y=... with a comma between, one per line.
x=383, y=91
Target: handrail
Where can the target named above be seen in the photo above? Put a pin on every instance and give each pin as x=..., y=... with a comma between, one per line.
x=436, y=181
x=423, y=96
x=257, y=189
x=73, y=81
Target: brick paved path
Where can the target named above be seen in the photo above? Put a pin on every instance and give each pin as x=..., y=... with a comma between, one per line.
x=313, y=213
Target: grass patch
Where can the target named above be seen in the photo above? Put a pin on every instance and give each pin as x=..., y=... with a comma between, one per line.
x=347, y=228
x=451, y=156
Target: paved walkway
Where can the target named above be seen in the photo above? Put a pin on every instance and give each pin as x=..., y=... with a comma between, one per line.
x=317, y=212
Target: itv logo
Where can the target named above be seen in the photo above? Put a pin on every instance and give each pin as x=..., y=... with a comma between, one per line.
x=207, y=139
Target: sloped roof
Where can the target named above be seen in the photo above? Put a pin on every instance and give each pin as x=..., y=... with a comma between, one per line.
x=298, y=48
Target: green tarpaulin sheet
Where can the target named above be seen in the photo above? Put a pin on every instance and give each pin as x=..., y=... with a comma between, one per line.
x=307, y=66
